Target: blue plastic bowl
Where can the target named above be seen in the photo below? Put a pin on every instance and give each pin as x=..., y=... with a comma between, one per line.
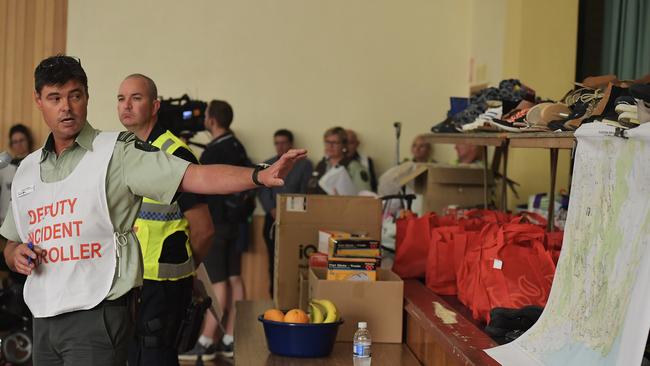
x=300, y=340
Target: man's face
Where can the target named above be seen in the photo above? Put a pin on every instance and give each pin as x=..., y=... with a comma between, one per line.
x=353, y=143
x=421, y=150
x=282, y=144
x=206, y=119
x=467, y=153
x=64, y=108
x=135, y=106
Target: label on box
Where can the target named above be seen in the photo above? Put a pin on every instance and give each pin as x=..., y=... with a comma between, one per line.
x=349, y=247
x=352, y=269
x=297, y=204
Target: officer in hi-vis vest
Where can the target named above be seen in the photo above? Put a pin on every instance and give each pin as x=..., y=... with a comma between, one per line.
x=70, y=230
x=174, y=238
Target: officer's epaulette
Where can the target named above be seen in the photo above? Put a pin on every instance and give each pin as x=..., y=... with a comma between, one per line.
x=126, y=136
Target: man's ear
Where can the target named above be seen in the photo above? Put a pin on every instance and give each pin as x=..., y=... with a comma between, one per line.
x=156, y=107
x=38, y=101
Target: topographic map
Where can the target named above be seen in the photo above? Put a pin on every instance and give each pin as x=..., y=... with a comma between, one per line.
x=598, y=310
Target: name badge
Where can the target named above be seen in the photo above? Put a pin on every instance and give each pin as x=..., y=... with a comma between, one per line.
x=25, y=191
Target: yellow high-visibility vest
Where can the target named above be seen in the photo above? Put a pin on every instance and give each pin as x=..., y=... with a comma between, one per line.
x=157, y=221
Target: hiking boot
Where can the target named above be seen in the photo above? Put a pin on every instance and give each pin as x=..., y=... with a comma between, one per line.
x=206, y=353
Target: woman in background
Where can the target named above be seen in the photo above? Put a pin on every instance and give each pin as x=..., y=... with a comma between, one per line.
x=336, y=141
x=21, y=144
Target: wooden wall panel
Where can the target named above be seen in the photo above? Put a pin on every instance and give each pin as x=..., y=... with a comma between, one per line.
x=255, y=265
x=30, y=30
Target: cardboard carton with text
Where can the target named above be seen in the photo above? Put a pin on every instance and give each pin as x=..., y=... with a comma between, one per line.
x=299, y=219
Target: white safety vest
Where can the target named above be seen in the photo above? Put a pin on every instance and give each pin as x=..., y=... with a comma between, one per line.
x=69, y=219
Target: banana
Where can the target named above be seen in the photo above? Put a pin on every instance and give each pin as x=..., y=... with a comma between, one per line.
x=332, y=313
x=315, y=313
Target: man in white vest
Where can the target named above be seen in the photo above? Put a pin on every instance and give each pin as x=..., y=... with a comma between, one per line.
x=74, y=202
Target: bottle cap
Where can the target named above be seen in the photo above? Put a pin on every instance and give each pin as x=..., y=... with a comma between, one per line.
x=363, y=325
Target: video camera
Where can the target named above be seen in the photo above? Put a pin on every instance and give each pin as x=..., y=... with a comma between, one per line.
x=182, y=116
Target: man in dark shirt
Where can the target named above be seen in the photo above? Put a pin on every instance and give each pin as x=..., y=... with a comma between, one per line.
x=163, y=299
x=295, y=182
x=229, y=215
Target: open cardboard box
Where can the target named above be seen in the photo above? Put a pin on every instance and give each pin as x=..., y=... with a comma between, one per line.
x=443, y=185
x=379, y=303
x=299, y=218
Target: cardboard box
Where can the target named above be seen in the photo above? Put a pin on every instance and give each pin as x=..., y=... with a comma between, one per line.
x=354, y=247
x=352, y=269
x=379, y=303
x=443, y=185
x=299, y=218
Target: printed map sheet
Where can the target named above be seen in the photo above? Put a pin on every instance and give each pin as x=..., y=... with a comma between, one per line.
x=598, y=312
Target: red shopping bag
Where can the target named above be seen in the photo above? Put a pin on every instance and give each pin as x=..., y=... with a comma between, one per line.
x=469, y=291
x=476, y=219
x=412, y=250
x=553, y=242
x=442, y=260
x=515, y=269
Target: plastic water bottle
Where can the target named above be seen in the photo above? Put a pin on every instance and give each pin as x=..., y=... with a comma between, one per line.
x=361, y=346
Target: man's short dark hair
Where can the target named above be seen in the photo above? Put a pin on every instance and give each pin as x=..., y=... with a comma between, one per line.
x=151, y=85
x=284, y=132
x=221, y=111
x=58, y=70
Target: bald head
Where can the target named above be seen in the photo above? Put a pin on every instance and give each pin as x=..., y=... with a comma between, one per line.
x=138, y=105
x=150, y=86
x=353, y=143
x=421, y=150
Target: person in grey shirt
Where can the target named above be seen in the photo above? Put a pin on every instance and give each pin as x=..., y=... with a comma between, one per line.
x=295, y=182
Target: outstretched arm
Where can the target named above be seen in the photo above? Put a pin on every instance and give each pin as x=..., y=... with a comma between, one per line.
x=227, y=179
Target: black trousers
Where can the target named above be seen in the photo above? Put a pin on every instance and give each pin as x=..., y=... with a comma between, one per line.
x=99, y=336
x=269, y=238
x=162, y=308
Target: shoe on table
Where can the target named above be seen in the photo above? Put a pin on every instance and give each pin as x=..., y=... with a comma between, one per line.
x=226, y=351
x=207, y=353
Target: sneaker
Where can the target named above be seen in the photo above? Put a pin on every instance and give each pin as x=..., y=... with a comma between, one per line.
x=206, y=353
x=226, y=351
x=495, y=110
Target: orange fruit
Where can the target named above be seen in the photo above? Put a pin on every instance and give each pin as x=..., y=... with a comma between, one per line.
x=296, y=316
x=274, y=315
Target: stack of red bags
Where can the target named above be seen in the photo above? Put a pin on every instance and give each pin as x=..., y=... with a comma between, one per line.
x=487, y=258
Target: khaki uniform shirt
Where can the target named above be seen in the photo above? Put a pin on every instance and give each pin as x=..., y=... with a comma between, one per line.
x=136, y=169
x=359, y=175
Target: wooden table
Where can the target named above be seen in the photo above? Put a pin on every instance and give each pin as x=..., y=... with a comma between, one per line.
x=439, y=343
x=250, y=345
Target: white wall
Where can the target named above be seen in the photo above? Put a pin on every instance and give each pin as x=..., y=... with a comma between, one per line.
x=297, y=64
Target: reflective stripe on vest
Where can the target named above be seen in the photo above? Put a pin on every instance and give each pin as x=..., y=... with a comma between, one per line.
x=157, y=221
x=158, y=212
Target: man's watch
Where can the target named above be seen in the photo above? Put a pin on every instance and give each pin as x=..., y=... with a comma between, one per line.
x=258, y=168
